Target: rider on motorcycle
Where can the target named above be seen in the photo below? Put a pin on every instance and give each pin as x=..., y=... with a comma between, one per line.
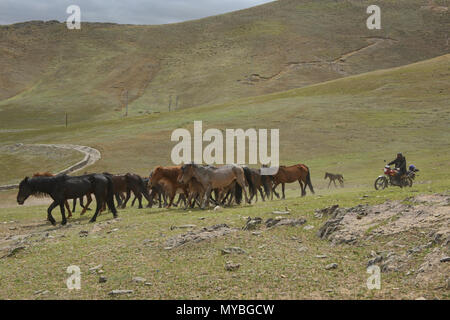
x=400, y=165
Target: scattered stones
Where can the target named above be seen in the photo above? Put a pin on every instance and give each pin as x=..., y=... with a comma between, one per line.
x=113, y=230
x=186, y=226
x=148, y=283
x=119, y=292
x=252, y=224
x=256, y=233
x=281, y=212
x=331, y=266
x=319, y=213
x=217, y=208
x=83, y=233
x=445, y=259
x=95, y=269
x=139, y=279
x=12, y=251
x=214, y=231
x=284, y=222
x=102, y=279
x=41, y=292
x=229, y=266
x=302, y=249
x=231, y=250
x=321, y=256
x=308, y=227
x=147, y=241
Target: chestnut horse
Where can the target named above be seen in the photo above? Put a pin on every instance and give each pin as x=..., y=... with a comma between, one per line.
x=168, y=178
x=297, y=172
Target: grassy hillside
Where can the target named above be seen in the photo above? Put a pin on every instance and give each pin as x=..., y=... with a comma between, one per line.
x=374, y=115
x=47, y=70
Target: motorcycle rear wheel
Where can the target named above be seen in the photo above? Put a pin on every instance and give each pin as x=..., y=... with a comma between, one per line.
x=408, y=182
x=380, y=183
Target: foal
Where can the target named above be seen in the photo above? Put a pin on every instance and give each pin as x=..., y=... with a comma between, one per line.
x=333, y=178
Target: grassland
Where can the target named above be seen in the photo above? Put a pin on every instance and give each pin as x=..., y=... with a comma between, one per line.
x=374, y=115
x=345, y=121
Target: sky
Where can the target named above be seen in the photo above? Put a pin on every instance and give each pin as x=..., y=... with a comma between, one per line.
x=120, y=11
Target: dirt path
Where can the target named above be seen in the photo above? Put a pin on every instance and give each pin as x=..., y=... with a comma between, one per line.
x=335, y=64
x=91, y=156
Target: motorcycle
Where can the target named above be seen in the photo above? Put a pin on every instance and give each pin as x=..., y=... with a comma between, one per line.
x=389, y=179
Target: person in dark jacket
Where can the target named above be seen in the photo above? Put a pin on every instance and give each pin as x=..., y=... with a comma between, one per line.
x=400, y=164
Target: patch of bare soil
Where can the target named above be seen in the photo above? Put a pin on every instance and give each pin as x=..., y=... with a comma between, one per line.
x=431, y=212
x=424, y=220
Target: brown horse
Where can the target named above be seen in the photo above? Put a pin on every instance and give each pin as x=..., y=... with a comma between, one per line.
x=297, y=172
x=48, y=174
x=214, y=178
x=128, y=183
x=168, y=178
x=257, y=182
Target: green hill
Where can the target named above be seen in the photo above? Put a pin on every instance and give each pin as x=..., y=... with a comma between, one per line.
x=374, y=115
x=47, y=70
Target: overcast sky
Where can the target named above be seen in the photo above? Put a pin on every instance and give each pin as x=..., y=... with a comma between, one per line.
x=120, y=11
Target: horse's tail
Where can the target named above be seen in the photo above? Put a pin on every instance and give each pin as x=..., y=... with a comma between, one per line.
x=308, y=180
x=267, y=183
x=248, y=178
x=238, y=193
x=110, y=194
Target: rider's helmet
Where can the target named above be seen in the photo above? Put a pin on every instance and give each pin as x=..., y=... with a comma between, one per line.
x=412, y=167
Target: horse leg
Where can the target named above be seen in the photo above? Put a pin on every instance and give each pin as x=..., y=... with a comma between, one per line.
x=329, y=184
x=206, y=197
x=49, y=213
x=66, y=203
x=334, y=181
x=63, y=214
x=282, y=189
x=274, y=191
x=74, y=204
x=303, y=190
x=97, y=210
x=261, y=193
x=89, y=200
x=139, y=197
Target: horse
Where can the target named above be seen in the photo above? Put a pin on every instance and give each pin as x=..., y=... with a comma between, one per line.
x=297, y=172
x=48, y=174
x=333, y=177
x=213, y=178
x=125, y=184
x=63, y=187
x=258, y=182
x=168, y=178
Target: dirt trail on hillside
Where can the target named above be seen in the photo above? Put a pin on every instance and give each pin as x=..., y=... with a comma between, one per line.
x=91, y=156
x=335, y=64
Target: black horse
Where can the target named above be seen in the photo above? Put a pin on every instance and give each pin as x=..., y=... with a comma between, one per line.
x=63, y=187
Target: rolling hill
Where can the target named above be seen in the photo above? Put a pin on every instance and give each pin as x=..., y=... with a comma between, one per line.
x=47, y=70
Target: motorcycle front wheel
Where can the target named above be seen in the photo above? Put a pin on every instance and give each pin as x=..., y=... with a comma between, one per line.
x=380, y=183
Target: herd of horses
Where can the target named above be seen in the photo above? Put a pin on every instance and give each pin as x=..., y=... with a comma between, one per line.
x=195, y=184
